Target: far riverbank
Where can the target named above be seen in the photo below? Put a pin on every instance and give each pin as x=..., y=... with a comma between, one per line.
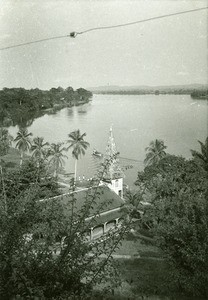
x=19, y=106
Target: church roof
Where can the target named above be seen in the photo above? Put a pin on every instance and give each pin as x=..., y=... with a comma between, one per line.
x=99, y=198
x=112, y=215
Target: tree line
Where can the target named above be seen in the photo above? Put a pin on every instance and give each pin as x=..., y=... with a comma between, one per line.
x=18, y=105
x=202, y=94
x=163, y=90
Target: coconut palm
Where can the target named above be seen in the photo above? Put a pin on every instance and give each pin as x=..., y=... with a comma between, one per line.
x=155, y=152
x=78, y=145
x=57, y=157
x=39, y=148
x=202, y=158
x=23, y=142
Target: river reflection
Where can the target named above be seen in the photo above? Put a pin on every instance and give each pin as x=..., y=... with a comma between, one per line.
x=70, y=112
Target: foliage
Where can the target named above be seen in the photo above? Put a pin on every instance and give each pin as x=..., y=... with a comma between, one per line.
x=200, y=94
x=194, y=90
x=168, y=164
x=38, y=148
x=17, y=181
x=78, y=144
x=23, y=142
x=133, y=202
x=5, y=141
x=155, y=152
x=202, y=158
x=57, y=157
x=83, y=95
x=19, y=106
x=178, y=216
x=44, y=249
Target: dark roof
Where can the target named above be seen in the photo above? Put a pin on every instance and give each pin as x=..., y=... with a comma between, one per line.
x=99, y=198
x=112, y=215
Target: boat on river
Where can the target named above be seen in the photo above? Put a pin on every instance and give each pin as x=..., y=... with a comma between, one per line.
x=97, y=153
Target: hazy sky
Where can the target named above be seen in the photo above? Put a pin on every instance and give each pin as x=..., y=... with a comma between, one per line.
x=162, y=52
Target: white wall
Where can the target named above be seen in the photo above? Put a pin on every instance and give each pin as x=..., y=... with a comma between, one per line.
x=116, y=186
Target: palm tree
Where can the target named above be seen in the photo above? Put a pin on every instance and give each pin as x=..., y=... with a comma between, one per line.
x=155, y=152
x=23, y=142
x=202, y=158
x=57, y=159
x=78, y=145
x=38, y=148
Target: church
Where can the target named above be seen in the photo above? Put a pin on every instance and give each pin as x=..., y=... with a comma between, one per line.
x=108, y=196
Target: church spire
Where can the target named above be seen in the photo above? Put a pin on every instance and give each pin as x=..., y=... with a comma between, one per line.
x=113, y=170
x=111, y=145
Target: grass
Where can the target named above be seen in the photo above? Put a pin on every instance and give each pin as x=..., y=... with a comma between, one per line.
x=140, y=279
x=134, y=246
x=137, y=247
x=148, y=277
x=145, y=277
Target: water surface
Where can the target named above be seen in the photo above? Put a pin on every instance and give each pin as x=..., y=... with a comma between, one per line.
x=137, y=119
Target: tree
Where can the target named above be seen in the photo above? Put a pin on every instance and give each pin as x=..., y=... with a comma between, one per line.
x=78, y=145
x=38, y=148
x=57, y=157
x=178, y=217
x=155, y=152
x=15, y=182
x=202, y=158
x=152, y=173
x=133, y=200
x=23, y=142
x=5, y=141
x=20, y=107
x=83, y=95
x=44, y=251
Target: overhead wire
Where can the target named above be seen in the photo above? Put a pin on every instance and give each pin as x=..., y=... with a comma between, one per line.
x=35, y=42
x=73, y=34
x=142, y=21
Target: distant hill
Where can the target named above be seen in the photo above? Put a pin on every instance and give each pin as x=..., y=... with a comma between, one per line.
x=137, y=90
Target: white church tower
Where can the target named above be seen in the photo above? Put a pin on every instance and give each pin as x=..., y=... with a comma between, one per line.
x=113, y=175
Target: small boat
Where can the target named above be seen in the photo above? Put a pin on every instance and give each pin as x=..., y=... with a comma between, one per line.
x=97, y=153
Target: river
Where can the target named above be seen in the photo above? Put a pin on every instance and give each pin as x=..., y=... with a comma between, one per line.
x=179, y=120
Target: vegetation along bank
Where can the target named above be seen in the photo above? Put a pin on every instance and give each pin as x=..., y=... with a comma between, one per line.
x=19, y=106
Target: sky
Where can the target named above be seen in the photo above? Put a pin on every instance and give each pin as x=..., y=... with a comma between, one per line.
x=168, y=51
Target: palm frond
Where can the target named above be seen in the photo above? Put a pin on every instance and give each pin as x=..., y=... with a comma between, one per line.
x=154, y=152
